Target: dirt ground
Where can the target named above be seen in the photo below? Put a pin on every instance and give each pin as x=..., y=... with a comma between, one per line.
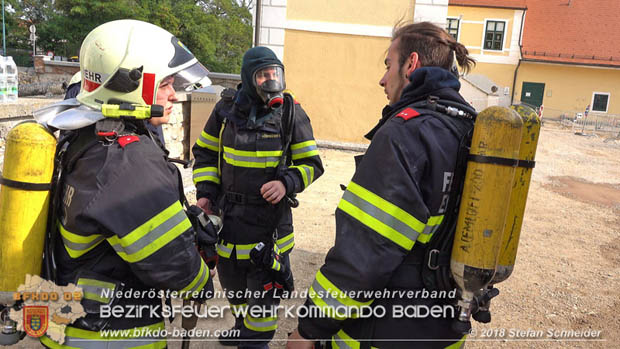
x=567, y=275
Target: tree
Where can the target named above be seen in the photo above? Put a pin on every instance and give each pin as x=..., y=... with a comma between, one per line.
x=217, y=31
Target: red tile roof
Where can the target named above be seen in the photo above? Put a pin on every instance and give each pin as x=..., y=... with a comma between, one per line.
x=572, y=31
x=512, y=4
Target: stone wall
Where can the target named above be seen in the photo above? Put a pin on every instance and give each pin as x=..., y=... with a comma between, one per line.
x=32, y=83
x=226, y=80
x=46, y=77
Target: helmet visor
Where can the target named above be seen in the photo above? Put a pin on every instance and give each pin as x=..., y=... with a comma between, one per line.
x=270, y=79
x=191, y=78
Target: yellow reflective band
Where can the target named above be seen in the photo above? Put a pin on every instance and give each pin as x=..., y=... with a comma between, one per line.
x=342, y=340
x=224, y=250
x=261, y=324
x=341, y=296
x=96, y=283
x=304, y=150
x=296, y=146
x=431, y=227
x=199, y=281
x=206, y=174
x=305, y=155
x=236, y=308
x=94, y=289
x=307, y=174
x=276, y=265
x=457, y=345
x=78, y=338
x=152, y=235
x=207, y=141
x=381, y=215
x=255, y=154
x=331, y=300
x=252, y=159
x=286, y=243
x=77, y=245
x=243, y=251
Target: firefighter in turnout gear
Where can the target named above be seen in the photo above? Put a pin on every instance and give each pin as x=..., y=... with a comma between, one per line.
x=120, y=226
x=256, y=151
x=395, y=202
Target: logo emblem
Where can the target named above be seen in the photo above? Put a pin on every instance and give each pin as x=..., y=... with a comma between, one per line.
x=35, y=320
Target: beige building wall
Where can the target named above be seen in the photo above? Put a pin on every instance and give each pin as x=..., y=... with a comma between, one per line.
x=569, y=88
x=380, y=13
x=498, y=66
x=472, y=26
x=336, y=77
x=333, y=54
x=501, y=74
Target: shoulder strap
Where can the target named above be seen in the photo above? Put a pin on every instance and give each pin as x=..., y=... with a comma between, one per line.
x=71, y=145
x=76, y=146
x=459, y=119
x=288, y=123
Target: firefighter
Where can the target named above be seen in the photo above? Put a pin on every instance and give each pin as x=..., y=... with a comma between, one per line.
x=74, y=86
x=122, y=233
x=240, y=169
x=394, y=203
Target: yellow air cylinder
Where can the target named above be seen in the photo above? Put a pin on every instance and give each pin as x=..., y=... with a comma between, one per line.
x=24, y=200
x=484, y=203
x=518, y=197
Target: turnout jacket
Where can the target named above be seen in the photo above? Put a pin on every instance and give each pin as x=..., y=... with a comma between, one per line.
x=235, y=157
x=394, y=203
x=122, y=228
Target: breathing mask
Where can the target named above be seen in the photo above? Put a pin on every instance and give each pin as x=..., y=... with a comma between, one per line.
x=269, y=83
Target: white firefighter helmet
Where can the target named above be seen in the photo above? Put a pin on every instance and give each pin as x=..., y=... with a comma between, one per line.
x=77, y=77
x=125, y=61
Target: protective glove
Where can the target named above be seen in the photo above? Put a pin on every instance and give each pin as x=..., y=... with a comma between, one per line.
x=266, y=258
x=207, y=228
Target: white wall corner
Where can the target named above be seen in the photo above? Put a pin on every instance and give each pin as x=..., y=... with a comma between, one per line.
x=272, y=24
x=516, y=31
x=264, y=37
x=273, y=17
x=276, y=36
x=278, y=50
x=435, y=12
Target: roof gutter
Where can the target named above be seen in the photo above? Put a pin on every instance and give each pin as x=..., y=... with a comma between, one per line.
x=514, y=78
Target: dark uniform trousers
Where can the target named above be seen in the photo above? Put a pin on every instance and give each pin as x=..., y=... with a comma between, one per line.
x=253, y=303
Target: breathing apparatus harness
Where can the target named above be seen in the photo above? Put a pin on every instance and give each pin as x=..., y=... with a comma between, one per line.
x=435, y=256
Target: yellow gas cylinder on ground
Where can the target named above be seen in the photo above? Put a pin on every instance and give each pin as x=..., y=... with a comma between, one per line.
x=484, y=204
x=520, y=188
x=24, y=200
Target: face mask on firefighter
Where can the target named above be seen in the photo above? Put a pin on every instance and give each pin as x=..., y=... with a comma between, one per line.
x=269, y=83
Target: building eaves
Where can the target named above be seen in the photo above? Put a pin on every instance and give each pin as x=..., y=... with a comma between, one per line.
x=502, y=4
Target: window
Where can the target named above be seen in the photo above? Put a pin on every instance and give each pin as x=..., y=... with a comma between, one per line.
x=600, y=101
x=452, y=27
x=494, y=35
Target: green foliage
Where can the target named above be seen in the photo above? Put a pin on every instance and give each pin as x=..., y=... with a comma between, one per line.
x=217, y=31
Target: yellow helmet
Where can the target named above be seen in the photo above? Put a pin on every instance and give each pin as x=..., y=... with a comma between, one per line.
x=125, y=61
x=77, y=77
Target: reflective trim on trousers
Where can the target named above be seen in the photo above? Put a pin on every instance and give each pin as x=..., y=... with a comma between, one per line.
x=78, y=338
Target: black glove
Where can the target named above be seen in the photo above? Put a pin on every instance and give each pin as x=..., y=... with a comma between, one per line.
x=266, y=258
x=206, y=234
